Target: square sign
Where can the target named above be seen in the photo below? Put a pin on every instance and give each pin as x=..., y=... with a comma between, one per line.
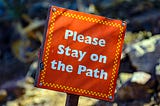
x=80, y=54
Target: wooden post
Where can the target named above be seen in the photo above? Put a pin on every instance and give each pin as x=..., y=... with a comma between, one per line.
x=72, y=100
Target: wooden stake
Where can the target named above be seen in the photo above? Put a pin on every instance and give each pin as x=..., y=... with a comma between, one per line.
x=72, y=100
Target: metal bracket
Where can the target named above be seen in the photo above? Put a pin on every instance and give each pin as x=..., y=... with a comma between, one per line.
x=41, y=65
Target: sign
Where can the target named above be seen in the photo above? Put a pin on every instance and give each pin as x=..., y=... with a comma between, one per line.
x=80, y=54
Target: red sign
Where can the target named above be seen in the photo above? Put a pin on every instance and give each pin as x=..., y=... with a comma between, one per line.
x=81, y=54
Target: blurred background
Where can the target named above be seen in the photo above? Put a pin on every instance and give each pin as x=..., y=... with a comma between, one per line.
x=21, y=33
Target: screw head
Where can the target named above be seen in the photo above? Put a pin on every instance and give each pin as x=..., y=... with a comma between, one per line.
x=53, y=9
x=40, y=83
x=110, y=97
x=123, y=23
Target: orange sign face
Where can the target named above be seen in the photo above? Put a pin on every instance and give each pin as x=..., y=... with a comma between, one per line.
x=81, y=54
